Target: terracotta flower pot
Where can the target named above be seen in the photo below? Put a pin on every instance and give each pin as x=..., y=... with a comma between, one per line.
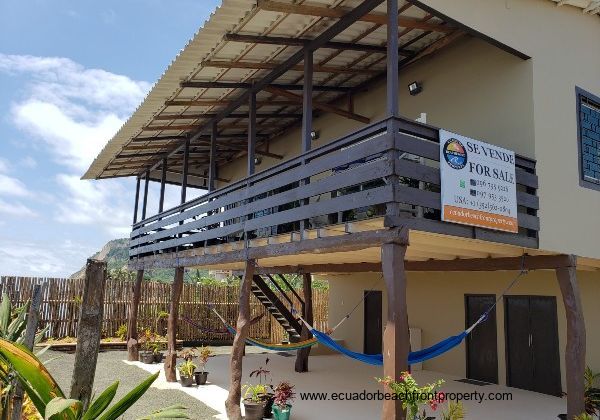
x=200, y=377
x=254, y=410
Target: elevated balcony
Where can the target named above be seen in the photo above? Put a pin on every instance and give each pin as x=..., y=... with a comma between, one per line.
x=385, y=174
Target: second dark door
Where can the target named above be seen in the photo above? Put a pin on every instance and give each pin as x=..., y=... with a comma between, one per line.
x=373, y=323
x=532, y=353
x=482, y=343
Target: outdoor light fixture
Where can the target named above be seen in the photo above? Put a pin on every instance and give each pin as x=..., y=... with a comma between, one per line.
x=314, y=135
x=415, y=88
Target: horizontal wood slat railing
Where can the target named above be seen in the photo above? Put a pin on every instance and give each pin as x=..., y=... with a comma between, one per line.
x=349, y=180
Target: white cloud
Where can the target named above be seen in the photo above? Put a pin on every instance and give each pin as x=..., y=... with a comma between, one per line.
x=105, y=204
x=34, y=259
x=72, y=109
x=14, y=208
x=12, y=186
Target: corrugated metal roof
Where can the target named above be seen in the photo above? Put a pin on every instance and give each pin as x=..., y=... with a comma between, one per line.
x=210, y=57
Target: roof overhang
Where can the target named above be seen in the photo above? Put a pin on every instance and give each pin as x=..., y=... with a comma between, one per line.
x=242, y=43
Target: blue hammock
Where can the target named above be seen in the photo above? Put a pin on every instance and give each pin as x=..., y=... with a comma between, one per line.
x=377, y=359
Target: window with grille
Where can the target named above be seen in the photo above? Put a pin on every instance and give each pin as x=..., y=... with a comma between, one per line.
x=589, y=138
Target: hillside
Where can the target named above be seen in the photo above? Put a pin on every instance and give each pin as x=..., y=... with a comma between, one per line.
x=116, y=255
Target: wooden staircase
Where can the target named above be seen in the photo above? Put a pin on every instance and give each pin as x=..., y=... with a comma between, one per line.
x=278, y=302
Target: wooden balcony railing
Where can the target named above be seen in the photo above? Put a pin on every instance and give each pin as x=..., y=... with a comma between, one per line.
x=352, y=178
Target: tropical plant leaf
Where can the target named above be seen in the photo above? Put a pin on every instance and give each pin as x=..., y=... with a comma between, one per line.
x=61, y=408
x=4, y=314
x=17, y=325
x=101, y=403
x=128, y=400
x=176, y=411
x=32, y=374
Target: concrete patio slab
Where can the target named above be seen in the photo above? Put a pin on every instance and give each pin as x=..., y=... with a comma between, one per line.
x=335, y=373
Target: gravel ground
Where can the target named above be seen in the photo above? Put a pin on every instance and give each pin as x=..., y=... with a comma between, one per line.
x=111, y=368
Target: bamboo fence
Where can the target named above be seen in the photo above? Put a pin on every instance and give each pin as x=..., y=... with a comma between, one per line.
x=61, y=300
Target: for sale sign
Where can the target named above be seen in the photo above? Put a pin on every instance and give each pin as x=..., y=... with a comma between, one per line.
x=478, y=185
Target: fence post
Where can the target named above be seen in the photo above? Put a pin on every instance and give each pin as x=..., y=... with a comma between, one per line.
x=132, y=332
x=89, y=332
x=33, y=317
x=171, y=357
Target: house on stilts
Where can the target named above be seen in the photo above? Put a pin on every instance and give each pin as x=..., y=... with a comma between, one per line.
x=427, y=150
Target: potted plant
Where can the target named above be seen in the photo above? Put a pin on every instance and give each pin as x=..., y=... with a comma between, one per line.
x=157, y=346
x=262, y=374
x=204, y=355
x=188, y=354
x=253, y=401
x=413, y=396
x=186, y=373
x=146, y=353
x=284, y=394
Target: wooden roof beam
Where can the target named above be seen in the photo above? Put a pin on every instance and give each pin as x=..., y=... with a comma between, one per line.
x=272, y=66
x=319, y=105
x=221, y=102
x=300, y=42
x=342, y=24
x=169, y=117
x=338, y=12
x=235, y=85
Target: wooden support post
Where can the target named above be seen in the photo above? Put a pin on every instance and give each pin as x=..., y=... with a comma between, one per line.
x=132, y=332
x=396, y=336
x=171, y=358
x=163, y=181
x=576, y=340
x=392, y=59
x=33, y=317
x=145, y=202
x=137, y=200
x=232, y=404
x=89, y=332
x=212, y=166
x=251, y=133
x=302, y=354
x=184, y=175
x=307, y=115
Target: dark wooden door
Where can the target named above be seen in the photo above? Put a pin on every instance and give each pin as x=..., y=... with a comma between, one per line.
x=482, y=343
x=373, y=323
x=544, y=345
x=532, y=354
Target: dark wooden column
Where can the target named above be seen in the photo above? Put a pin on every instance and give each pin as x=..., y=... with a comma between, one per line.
x=171, y=358
x=163, y=181
x=307, y=115
x=132, y=333
x=89, y=331
x=212, y=166
x=307, y=102
x=145, y=202
x=137, y=200
x=392, y=59
x=251, y=132
x=184, y=175
x=302, y=354
x=395, y=337
x=232, y=404
x=576, y=340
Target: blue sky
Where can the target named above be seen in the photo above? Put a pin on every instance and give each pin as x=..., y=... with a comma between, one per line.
x=71, y=72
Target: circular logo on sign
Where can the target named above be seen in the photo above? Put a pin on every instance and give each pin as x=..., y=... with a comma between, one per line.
x=455, y=154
